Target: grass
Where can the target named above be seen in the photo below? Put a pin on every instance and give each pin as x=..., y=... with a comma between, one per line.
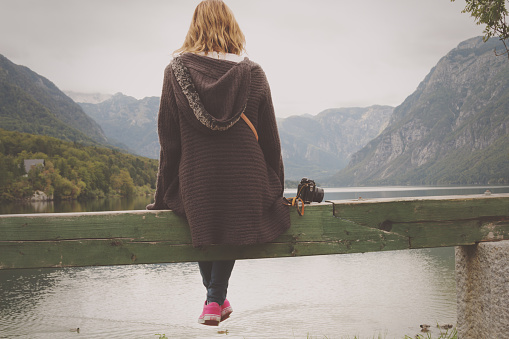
x=444, y=334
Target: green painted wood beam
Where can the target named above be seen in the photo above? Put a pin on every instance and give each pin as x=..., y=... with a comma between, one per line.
x=142, y=237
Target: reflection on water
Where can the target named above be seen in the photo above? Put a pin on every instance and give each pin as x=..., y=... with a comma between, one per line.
x=348, y=193
x=334, y=296
x=107, y=204
x=343, y=193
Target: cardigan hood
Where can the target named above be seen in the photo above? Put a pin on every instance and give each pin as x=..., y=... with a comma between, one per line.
x=211, y=94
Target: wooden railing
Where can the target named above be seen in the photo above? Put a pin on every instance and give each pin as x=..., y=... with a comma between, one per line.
x=136, y=237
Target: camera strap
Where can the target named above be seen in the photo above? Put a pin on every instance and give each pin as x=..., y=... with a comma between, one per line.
x=248, y=122
x=295, y=201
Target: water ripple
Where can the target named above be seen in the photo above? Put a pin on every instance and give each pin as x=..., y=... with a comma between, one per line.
x=337, y=295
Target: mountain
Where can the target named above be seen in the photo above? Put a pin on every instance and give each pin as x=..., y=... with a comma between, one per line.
x=318, y=146
x=33, y=104
x=454, y=129
x=313, y=146
x=129, y=121
x=89, y=98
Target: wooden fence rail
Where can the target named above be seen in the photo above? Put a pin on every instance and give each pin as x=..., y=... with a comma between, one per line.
x=138, y=237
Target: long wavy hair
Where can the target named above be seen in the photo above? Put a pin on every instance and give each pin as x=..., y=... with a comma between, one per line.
x=213, y=29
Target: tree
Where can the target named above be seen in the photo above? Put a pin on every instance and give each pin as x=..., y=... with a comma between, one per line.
x=123, y=183
x=493, y=14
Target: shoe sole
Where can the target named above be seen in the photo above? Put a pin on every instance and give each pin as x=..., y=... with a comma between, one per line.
x=225, y=313
x=210, y=320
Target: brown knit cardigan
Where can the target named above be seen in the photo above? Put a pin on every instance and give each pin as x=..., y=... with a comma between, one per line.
x=212, y=170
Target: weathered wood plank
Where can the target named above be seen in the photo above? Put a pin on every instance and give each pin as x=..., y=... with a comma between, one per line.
x=376, y=211
x=136, y=225
x=433, y=221
x=135, y=237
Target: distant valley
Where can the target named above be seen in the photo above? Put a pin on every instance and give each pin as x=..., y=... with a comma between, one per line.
x=318, y=146
x=312, y=146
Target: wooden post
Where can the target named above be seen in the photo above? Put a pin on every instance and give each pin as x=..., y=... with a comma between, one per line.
x=482, y=287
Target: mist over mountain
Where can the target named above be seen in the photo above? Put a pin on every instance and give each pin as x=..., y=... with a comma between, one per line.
x=31, y=103
x=89, y=98
x=454, y=129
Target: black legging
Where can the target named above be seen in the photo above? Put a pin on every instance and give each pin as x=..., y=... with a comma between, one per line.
x=215, y=276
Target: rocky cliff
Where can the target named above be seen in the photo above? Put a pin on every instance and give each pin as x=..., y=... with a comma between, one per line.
x=129, y=121
x=317, y=146
x=452, y=130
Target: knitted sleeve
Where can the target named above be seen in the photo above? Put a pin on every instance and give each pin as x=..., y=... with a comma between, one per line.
x=169, y=139
x=269, y=136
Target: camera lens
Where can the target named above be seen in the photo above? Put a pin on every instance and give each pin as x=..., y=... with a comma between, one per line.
x=318, y=196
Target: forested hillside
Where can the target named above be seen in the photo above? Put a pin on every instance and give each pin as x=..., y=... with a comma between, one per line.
x=71, y=170
x=31, y=103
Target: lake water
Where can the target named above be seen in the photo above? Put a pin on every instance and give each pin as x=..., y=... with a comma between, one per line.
x=334, y=296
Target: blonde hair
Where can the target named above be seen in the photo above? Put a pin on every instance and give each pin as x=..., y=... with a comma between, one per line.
x=213, y=29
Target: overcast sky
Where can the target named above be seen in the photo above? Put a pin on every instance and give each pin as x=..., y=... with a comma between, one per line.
x=317, y=54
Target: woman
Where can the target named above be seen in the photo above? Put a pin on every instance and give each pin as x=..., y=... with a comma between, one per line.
x=220, y=164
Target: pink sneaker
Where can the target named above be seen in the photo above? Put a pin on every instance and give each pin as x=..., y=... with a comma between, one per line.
x=211, y=314
x=226, y=310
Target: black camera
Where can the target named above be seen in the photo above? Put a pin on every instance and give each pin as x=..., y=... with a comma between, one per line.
x=308, y=191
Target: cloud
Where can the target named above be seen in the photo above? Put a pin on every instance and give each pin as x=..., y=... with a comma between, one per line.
x=317, y=55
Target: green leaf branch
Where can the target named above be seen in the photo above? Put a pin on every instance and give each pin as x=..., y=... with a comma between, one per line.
x=493, y=14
